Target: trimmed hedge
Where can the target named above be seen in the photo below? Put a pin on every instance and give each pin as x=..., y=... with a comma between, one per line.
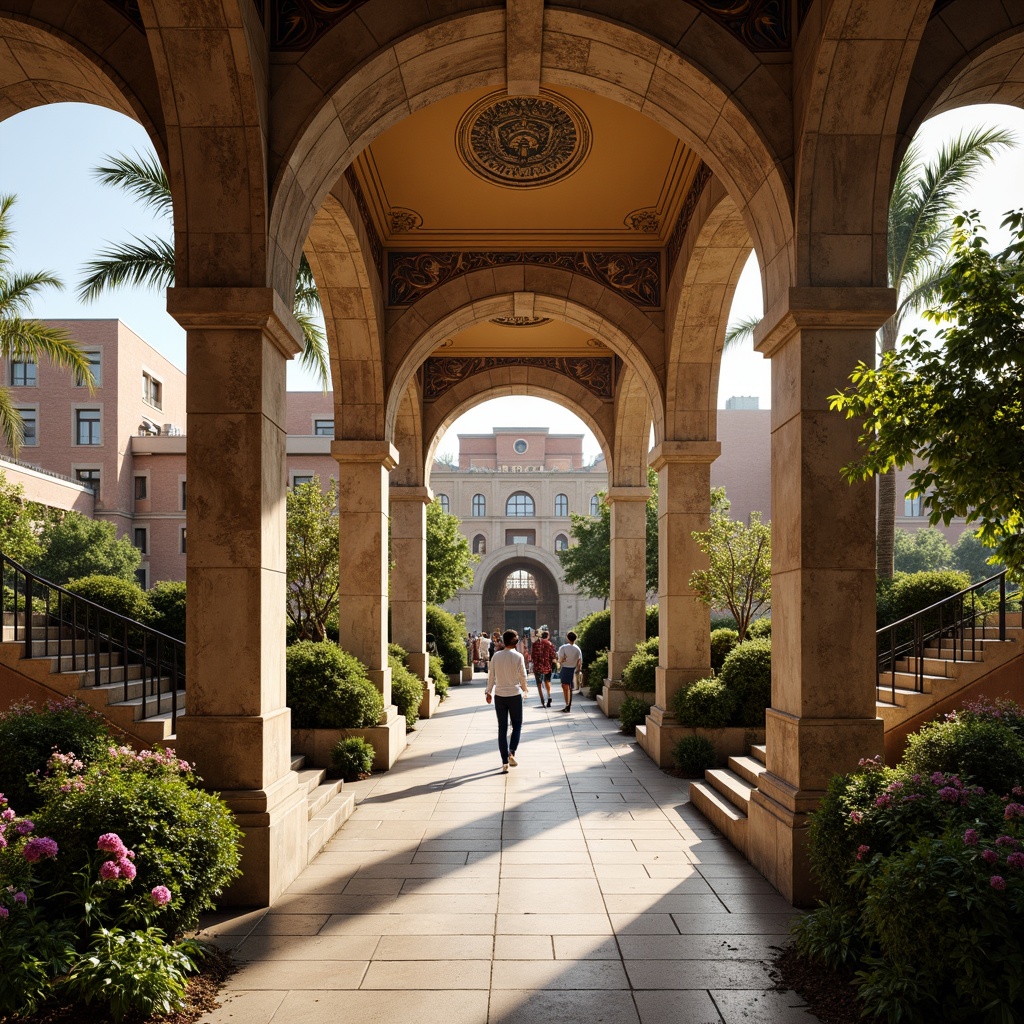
x=352, y=758
x=693, y=756
x=406, y=691
x=759, y=628
x=722, y=642
x=747, y=674
x=594, y=634
x=440, y=677
x=705, y=704
x=639, y=673
x=633, y=712
x=597, y=672
x=907, y=593
x=121, y=596
x=328, y=688
x=167, y=600
x=449, y=638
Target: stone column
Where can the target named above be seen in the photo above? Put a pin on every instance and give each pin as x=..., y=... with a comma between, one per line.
x=822, y=718
x=238, y=728
x=628, y=595
x=684, y=654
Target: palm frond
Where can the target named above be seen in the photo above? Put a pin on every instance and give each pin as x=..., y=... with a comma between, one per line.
x=307, y=298
x=141, y=176
x=17, y=291
x=314, y=356
x=740, y=331
x=6, y=231
x=12, y=427
x=31, y=340
x=148, y=263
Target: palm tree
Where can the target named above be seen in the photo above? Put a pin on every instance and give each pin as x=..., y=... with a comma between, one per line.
x=23, y=339
x=149, y=262
x=921, y=209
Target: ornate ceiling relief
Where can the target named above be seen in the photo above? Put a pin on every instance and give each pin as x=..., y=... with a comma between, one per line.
x=634, y=275
x=298, y=24
x=675, y=240
x=376, y=248
x=523, y=141
x=401, y=219
x=645, y=220
x=520, y=321
x=761, y=24
x=441, y=374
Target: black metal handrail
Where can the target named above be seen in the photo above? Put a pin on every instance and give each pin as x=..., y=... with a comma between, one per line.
x=85, y=637
x=959, y=620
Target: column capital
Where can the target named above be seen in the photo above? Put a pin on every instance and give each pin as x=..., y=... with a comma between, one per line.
x=831, y=308
x=684, y=451
x=365, y=451
x=614, y=494
x=233, y=309
x=402, y=492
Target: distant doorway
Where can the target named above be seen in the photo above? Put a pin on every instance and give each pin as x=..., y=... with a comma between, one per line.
x=520, y=594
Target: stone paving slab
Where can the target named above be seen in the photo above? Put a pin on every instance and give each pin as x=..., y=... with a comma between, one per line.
x=580, y=887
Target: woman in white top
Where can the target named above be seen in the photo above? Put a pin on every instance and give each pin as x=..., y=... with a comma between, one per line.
x=570, y=664
x=506, y=677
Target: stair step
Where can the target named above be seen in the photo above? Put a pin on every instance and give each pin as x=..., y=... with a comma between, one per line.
x=320, y=796
x=935, y=666
x=153, y=707
x=310, y=778
x=327, y=821
x=298, y=760
x=731, y=786
x=757, y=751
x=747, y=768
x=904, y=697
x=731, y=822
x=908, y=681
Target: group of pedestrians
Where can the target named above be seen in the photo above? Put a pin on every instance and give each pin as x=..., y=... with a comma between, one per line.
x=507, y=682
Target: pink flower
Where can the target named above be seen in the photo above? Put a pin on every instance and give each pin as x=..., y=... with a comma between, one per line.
x=989, y=856
x=1007, y=841
x=8, y=815
x=997, y=882
x=126, y=867
x=861, y=850
x=883, y=801
x=971, y=837
x=109, y=871
x=856, y=817
x=949, y=794
x=111, y=843
x=39, y=849
x=1015, y=860
x=23, y=828
x=160, y=895
x=1012, y=811
x=4, y=913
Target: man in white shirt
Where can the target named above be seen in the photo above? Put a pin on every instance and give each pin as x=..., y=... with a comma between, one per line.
x=506, y=678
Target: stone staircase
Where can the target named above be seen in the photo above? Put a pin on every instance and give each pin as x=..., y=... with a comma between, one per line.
x=724, y=795
x=329, y=805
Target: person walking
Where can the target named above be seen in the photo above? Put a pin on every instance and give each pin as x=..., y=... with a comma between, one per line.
x=506, y=677
x=543, y=656
x=570, y=663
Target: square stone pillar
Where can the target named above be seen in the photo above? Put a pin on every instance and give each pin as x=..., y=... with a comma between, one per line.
x=238, y=728
x=628, y=596
x=409, y=580
x=684, y=650
x=824, y=672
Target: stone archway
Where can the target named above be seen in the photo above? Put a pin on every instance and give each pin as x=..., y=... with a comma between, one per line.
x=518, y=593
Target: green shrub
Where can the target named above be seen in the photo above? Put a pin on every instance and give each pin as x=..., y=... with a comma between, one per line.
x=29, y=735
x=167, y=599
x=594, y=634
x=596, y=673
x=639, y=673
x=122, y=596
x=723, y=622
x=183, y=837
x=651, y=617
x=694, y=755
x=722, y=642
x=747, y=674
x=406, y=691
x=907, y=593
x=440, y=677
x=986, y=752
x=449, y=637
x=352, y=758
x=829, y=936
x=633, y=712
x=705, y=704
x=328, y=688
x=760, y=628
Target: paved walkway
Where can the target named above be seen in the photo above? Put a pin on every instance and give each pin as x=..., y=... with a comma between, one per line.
x=579, y=887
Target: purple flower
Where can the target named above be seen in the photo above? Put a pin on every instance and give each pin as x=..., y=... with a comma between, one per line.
x=109, y=871
x=1012, y=811
x=861, y=850
x=938, y=779
x=1007, y=841
x=20, y=897
x=160, y=895
x=23, y=828
x=950, y=794
x=4, y=913
x=856, y=817
x=997, y=882
x=39, y=849
x=111, y=843
x=883, y=801
x=1015, y=860
x=989, y=856
x=8, y=815
x=126, y=867
x=971, y=837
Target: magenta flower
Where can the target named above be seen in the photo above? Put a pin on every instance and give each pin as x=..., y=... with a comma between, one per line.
x=856, y=817
x=160, y=895
x=884, y=800
x=971, y=837
x=23, y=828
x=1012, y=811
x=1007, y=841
x=950, y=794
x=4, y=913
x=1015, y=860
x=861, y=850
x=111, y=843
x=8, y=815
x=20, y=897
x=997, y=882
x=109, y=871
x=126, y=867
x=39, y=849
x=989, y=856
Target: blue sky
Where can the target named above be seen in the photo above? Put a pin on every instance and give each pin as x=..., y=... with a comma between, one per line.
x=63, y=216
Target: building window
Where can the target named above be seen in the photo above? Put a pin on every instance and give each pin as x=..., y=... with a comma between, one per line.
x=29, y=427
x=141, y=539
x=298, y=479
x=479, y=544
x=520, y=536
x=87, y=426
x=520, y=447
x=141, y=577
x=444, y=502
x=141, y=488
x=183, y=540
x=152, y=391
x=520, y=579
x=89, y=478
x=183, y=496
x=561, y=542
x=95, y=368
x=913, y=506
x=479, y=505
x=519, y=504
x=595, y=505
x=561, y=505
x=23, y=373
x=323, y=428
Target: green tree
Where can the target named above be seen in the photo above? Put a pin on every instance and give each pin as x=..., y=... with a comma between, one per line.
x=740, y=574
x=19, y=523
x=922, y=551
x=449, y=561
x=652, y=532
x=74, y=546
x=972, y=557
x=311, y=557
x=149, y=262
x=587, y=564
x=23, y=339
x=953, y=405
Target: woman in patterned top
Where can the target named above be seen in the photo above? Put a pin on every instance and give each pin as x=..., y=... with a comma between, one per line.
x=543, y=656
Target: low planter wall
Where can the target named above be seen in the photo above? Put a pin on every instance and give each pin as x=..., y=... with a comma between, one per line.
x=467, y=673
x=387, y=740
x=610, y=699
x=734, y=741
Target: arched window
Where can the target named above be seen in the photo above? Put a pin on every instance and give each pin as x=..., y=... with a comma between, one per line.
x=479, y=505
x=595, y=506
x=520, y=580
x=561, y=542
x=444, y=502
x=479, y=544
x=519, y=504
x=561, y=505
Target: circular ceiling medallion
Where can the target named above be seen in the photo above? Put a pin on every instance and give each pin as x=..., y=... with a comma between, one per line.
x=523, y=141
x=520, y=321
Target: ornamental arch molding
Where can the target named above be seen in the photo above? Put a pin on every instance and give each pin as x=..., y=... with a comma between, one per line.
x=411, y=470
x=628, y=467
x=741, y=131
x=507, y=558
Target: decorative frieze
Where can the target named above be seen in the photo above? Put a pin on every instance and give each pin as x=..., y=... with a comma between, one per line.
x=442, y=373
x=675, y=241
x=376, y=248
